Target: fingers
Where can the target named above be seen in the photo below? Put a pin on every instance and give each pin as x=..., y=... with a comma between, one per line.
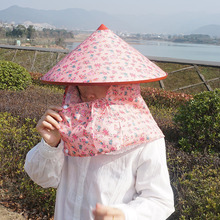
x=50, y=123
x=53, y=111
x=50, y=119
x=48, y=126
x=55, y=108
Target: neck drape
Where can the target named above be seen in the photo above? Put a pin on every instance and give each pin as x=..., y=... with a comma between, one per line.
x=111, y=124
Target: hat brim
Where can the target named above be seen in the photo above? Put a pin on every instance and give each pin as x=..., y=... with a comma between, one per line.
x=103, y=83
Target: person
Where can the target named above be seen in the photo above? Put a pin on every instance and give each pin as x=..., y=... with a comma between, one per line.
x=104, y=153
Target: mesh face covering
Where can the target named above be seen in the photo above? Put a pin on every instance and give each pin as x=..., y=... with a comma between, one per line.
x=111, y=124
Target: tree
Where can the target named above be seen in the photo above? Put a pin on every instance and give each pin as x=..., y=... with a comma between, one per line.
x=2, y=32
x=59, y=41
x=30, y=31
x=18, y=31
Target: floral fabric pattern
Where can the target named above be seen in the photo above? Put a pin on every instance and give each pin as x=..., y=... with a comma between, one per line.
x=104, y=58
x=119, y=120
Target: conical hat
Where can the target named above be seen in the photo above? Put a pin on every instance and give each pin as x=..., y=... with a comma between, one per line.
x=104, y=58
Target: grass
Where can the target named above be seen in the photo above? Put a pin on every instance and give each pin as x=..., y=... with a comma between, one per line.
x=210, y=72
x=6, y=54
x=24, y=61
x=186, y=77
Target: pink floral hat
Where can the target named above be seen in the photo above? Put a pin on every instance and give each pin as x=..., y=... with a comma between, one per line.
x=121, y=120
x=104, y=58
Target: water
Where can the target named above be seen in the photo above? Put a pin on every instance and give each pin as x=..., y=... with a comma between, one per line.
x=201, y=52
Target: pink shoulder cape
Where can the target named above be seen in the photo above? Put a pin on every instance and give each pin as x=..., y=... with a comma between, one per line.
x=114, y=123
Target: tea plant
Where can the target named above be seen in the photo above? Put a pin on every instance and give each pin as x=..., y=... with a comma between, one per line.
x=199, y=122
x=200, y=198
x=17, y=137
x=13, y=76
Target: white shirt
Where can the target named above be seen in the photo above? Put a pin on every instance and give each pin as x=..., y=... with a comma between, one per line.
x=135, y=181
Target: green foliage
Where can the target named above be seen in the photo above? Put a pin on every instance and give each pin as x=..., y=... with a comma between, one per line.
x=195, y=180
x=18, y=31
x=60, y=42
x=199, y=122
x=30, y=31
x=13, y=76
x=164, y=117
x=36, y=79
x=200, y=194
x=17, y=137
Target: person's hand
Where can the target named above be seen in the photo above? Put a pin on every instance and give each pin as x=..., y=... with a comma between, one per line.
x=102, y=212
x=48, y=126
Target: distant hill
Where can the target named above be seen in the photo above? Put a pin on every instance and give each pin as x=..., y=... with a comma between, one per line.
x=73, y=18
x=76, y=18
x=212, y=30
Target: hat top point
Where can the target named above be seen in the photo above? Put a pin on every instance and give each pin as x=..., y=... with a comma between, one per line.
x=102, y=27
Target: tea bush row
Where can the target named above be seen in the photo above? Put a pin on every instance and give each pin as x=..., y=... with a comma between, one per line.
x=199, y=122
x=195, y=180
x=199, y=190
x=163, y=98
x=163, y=105
x=29, y=103
x=16, y=139
x=13, y=76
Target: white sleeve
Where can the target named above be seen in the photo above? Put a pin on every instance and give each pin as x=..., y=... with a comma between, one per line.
x=44, y=164
x=155, y=196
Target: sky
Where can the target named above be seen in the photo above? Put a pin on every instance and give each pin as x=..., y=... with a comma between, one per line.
x=132, y=7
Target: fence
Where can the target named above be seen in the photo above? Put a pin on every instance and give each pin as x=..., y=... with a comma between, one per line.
x=183, y=75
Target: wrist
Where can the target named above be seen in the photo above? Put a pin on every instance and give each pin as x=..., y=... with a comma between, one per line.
x=50, y=152
x=56, y=145
x=53, y=144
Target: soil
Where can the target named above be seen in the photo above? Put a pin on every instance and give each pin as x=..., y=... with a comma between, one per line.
x=7, y=214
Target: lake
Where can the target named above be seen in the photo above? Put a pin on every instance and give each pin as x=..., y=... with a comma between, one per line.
x=201, y=52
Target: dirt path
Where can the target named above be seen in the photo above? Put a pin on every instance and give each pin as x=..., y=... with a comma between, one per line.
x=6, y=214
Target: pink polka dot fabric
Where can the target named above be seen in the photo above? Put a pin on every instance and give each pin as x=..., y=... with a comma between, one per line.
x=104, y=58
x=111, y=124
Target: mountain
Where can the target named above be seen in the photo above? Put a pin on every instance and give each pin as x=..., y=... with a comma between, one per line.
x=76, y=18
x=212, y=30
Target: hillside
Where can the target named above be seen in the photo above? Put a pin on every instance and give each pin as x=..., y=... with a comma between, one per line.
x=212, y=30
x=76, y=18
x=73, y=18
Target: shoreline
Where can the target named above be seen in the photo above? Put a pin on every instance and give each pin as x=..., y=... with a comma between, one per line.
x=79, y=38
